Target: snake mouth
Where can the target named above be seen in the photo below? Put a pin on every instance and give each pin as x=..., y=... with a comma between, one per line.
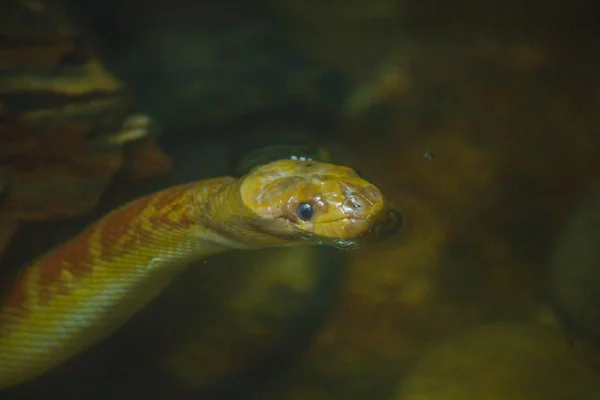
x=340, y=220
x=348, y=228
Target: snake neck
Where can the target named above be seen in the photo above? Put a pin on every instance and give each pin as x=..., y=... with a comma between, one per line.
x=228, y=222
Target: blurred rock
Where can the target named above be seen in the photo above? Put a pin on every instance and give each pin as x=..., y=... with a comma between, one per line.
x=62, y=114
x=501, y=361
x=59, y=189
x=240, y=316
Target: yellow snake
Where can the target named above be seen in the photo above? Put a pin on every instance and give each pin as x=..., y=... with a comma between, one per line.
x=79, y=293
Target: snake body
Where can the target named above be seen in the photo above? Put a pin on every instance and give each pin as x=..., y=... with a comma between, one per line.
x=80, y=292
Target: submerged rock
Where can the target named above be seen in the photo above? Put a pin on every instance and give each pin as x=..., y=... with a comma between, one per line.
x=501, y=361
x=248, y=307
x=63, y=115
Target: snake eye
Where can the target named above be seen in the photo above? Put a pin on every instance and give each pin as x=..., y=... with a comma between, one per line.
x=305, y=211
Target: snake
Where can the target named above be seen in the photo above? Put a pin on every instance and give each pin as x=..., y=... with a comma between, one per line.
x=83, y=290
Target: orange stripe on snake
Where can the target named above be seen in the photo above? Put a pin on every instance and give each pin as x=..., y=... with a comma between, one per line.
x=118, y=234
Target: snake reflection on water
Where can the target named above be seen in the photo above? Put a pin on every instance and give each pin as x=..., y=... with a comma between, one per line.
x=79, y=293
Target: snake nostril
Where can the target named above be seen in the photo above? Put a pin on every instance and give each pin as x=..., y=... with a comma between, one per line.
x=355, y=206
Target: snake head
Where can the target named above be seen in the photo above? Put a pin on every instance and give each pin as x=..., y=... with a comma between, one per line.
x=318, y=202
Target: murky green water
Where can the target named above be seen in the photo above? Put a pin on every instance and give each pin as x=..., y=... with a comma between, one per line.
x=481, y=134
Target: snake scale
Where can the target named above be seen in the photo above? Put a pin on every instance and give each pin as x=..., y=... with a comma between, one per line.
x=80, y=292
